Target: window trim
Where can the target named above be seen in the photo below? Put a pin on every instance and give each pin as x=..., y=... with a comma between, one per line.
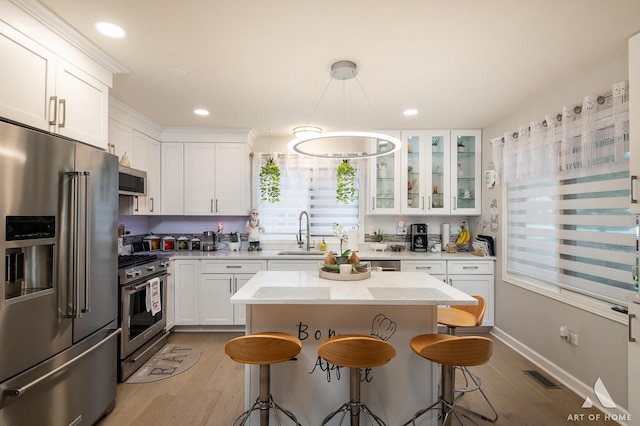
x=552, y=291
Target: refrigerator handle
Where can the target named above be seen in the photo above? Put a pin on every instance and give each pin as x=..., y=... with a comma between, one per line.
x=72, y=259
x=87, y=243
x=19, y=391
x=634, y=200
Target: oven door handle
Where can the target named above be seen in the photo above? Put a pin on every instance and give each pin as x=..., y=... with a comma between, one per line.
x=138, y=287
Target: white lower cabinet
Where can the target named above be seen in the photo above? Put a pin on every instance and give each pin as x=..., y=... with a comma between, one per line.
x=475, y=278
x=435, y=268
x=187, y=283
x=169, y=299
x=293, y=265
x=204, y=289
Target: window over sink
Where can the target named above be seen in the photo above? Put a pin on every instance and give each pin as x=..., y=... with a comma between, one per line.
x=305, y=184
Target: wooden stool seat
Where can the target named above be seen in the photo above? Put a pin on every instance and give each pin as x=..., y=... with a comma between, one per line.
x=462, y=315
x=264, y=349
x=355, y=351
x=459, y=351
x=456, y=318
x=450, y=351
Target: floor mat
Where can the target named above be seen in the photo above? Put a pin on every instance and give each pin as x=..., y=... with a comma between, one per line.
x=169, y=361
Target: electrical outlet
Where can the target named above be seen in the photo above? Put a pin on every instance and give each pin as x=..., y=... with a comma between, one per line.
x=573, y=338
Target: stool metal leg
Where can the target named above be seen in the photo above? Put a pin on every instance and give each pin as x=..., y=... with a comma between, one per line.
x=476, y=387
x=354, y=406
x=264, y=403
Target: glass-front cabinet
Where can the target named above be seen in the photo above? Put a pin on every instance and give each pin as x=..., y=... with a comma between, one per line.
x=465, y=177
x=384, y=197
x=437, y=172
x=413, y=173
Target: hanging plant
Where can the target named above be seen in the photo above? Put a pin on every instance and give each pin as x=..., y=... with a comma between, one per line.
x=346, y=191
x=270, y=182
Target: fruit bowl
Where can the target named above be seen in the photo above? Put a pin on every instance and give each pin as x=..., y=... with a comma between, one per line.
x=378, y=246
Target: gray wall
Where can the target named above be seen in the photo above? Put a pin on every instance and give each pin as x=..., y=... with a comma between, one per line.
x=532, y=319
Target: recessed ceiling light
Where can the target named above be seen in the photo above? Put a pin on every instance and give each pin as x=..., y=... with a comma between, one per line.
x=410, y=112
x=110, y=30
x=201, y=112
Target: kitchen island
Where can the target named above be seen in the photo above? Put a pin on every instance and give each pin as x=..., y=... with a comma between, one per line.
x=394, y=306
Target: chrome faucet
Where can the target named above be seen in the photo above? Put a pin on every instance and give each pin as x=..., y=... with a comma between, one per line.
x=299, y=236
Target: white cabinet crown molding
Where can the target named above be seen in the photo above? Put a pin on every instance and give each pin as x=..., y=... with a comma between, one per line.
x=208, y=134
x=55, y=24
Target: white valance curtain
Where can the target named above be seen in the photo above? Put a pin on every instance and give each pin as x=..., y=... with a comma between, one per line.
x=595, y=134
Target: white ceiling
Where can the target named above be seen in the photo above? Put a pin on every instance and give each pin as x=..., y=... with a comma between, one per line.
x=265, y=64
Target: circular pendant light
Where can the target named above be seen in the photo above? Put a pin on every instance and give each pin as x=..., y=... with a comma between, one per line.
x=333, y=144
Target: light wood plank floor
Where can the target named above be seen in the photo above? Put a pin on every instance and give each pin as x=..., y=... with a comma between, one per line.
x=211, y=393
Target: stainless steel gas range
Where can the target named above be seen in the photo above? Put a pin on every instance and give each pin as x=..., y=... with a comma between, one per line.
x=142, y=281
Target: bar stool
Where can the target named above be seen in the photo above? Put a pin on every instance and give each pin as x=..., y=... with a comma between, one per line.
x=263, y=349
x=450, y=351
x=461, y=316
x=355, y=351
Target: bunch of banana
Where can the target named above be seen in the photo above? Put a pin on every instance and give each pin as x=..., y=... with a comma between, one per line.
x=464, y=236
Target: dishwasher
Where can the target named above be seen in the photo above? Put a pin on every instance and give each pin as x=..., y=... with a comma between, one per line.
x=383, y=265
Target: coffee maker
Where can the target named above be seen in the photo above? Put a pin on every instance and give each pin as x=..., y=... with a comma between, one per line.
x=418, y=237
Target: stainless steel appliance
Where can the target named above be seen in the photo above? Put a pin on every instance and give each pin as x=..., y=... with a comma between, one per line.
x=140, y=277
x=58, y=304
x=418, y=237
x=132, y=182
x=209, y=241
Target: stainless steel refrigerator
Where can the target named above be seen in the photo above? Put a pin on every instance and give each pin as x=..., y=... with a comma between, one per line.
x=58, y=302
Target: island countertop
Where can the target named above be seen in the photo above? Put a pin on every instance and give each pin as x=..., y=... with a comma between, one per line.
x=382, y=288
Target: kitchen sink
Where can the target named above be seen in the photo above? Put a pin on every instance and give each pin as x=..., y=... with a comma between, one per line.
x=301, y=253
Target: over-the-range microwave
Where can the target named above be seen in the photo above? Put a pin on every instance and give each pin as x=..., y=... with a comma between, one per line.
x=132, y=181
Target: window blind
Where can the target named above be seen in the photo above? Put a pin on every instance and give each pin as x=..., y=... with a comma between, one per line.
x=576, y=233
x=306, y=184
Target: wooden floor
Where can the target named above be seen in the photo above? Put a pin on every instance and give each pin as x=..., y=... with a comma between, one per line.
x=212, y=392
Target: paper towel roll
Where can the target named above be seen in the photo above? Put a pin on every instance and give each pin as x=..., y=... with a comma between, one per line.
x=445, y=235
x=353, y=239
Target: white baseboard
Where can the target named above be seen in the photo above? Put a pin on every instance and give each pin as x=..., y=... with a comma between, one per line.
x=569, y=381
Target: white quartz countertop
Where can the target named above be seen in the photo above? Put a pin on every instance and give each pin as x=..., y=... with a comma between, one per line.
x=382, y=288
x=275, y=254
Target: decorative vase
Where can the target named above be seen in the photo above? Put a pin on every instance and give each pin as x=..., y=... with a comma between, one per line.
x=235, y=245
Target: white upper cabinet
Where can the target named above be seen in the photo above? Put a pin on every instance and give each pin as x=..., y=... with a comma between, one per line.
x=120, y=139
x=437, y=172
x=47, y=83
x=79, y=109
x=199, y=187
x=28, y=77
x=172, y=179
x=466, y=157
x=205, y=179
x=231, y=178
x=215, y=179
x=384, y=179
